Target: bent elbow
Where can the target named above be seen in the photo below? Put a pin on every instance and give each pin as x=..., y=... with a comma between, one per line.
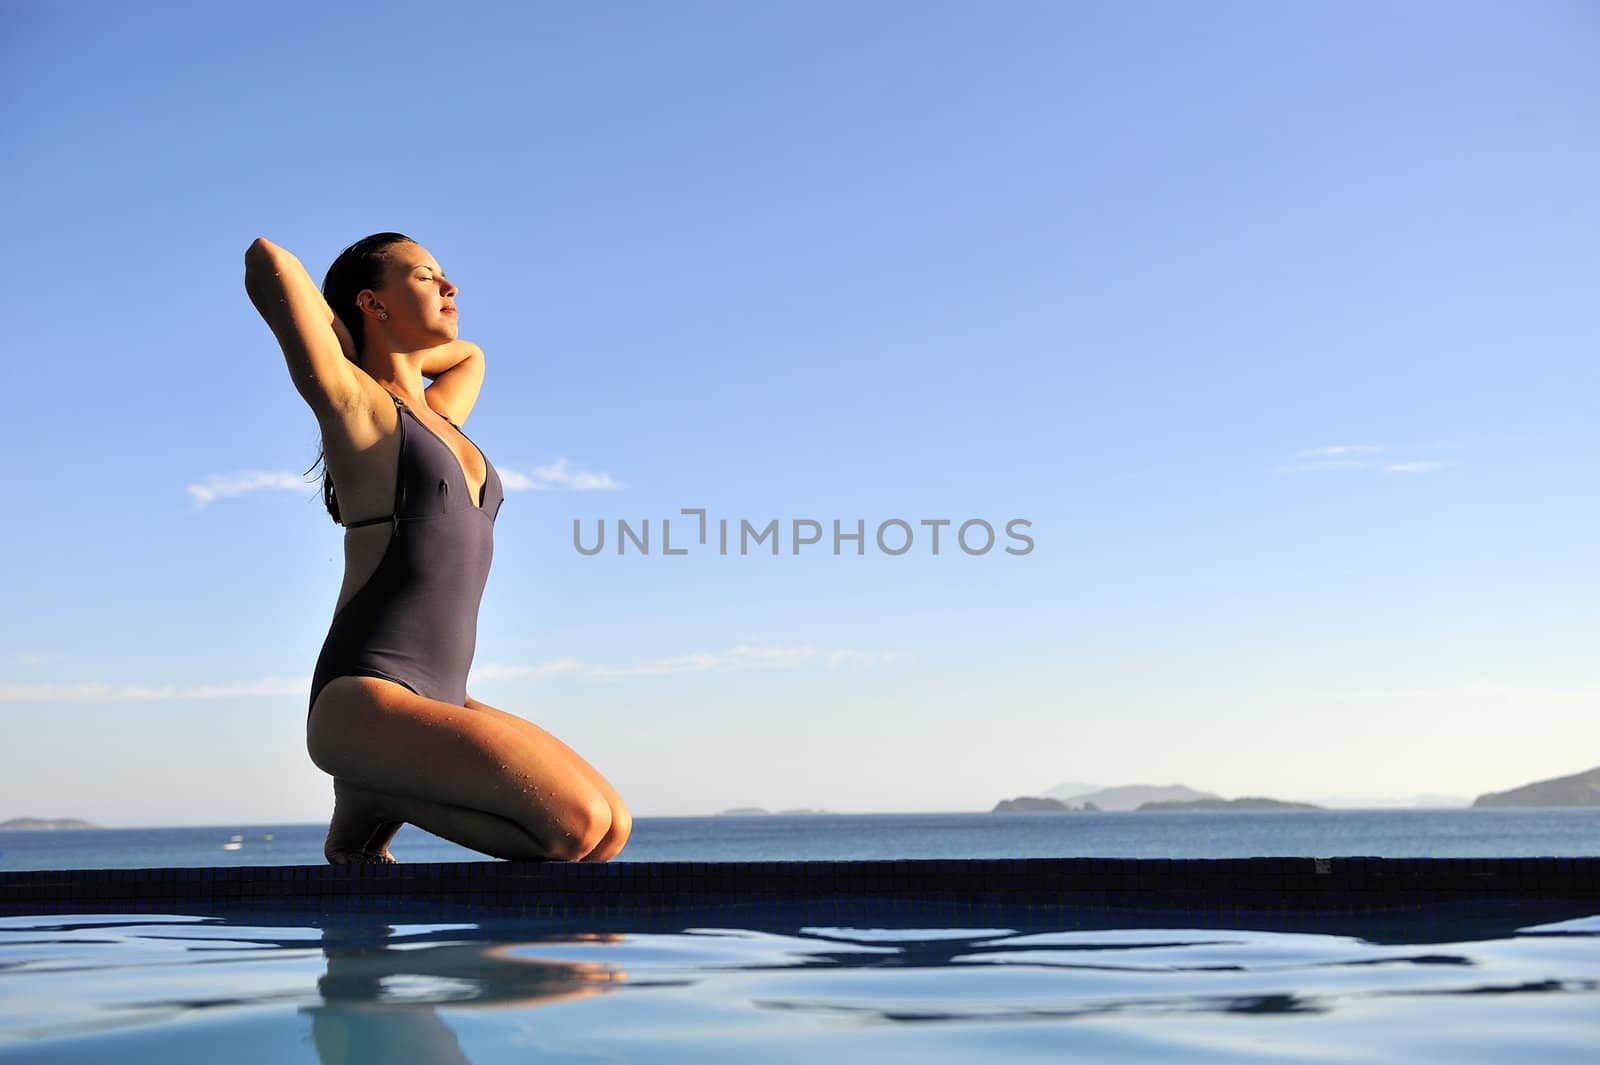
x=262, y=257
x=258, y=253
x=263, y=268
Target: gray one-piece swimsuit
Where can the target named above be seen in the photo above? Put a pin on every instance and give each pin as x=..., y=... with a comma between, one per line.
x=415, y=620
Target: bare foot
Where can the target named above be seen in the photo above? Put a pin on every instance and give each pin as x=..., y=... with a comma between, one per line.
x=359, y=832
x=379, y=843
x=358, y=857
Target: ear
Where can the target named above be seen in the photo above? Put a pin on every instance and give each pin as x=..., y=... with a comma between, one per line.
x=370, y=305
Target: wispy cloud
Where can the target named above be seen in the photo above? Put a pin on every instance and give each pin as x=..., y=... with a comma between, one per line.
x=1340, y=449
x=101, y=692
x=1415, y=467
x=527, y=670
x=1336, y=464
x=1473, y=692
x=223, y=485
x=736, y=659
x=557, y=474
x=1344, y=457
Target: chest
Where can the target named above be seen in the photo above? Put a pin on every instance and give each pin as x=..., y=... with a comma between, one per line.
x=442, y=463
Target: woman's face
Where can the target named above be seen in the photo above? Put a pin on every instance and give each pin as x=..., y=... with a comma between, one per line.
x=420, y=300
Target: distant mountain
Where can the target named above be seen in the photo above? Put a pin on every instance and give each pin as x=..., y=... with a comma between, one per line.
x=1133, y=796
x=1580, y=789
x=1230, y=804
x=43, y=824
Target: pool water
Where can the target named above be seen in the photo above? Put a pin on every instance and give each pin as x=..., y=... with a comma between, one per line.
x=340, y=987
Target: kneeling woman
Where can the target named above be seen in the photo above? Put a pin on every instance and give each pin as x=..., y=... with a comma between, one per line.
x=390, y=718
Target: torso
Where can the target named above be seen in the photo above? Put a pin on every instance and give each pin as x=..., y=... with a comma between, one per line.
x=370, y=477
x=415, y=577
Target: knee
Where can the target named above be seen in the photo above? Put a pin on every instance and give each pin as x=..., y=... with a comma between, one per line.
x=326, y=756
x=621, y=824
x=581, y=828
x=621, y=828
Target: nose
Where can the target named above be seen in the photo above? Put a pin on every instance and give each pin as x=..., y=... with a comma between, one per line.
x=449, y=288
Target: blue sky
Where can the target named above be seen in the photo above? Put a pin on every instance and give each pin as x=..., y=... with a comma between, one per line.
x=1275, y=322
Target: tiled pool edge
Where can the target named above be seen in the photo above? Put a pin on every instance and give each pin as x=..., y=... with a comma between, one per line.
x=1258, y=886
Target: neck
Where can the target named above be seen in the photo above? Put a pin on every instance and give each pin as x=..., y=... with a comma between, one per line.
x=398, y=371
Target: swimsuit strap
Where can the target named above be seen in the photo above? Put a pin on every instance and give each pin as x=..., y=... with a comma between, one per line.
x=399, y=481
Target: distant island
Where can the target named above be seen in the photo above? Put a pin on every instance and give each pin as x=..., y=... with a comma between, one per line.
x=1086, y=799
x=43, y=824
x=1133, y=796
x=756, y=811
x=1040, y=804
x=1580, y=789
x=1126, y=797
x=1577, y=790
x=1230, y=804
x=1033, y=804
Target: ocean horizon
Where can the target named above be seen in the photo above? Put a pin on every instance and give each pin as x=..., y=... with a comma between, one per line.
x=1393, y=833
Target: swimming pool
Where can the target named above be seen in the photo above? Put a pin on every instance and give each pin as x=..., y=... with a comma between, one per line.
x=1358, y=960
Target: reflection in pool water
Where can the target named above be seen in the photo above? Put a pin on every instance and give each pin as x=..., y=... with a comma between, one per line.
x=379, y=988
x=344, y=988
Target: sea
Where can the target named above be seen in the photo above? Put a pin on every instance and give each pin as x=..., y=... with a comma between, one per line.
x=1431, y=833
x=328, y=986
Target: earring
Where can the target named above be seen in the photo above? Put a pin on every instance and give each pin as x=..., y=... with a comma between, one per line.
x=383, y=316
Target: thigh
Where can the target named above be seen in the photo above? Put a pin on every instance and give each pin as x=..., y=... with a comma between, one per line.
x=589, y=772
x=385, y=737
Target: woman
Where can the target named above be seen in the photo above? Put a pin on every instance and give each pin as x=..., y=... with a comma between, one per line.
x=390, y=718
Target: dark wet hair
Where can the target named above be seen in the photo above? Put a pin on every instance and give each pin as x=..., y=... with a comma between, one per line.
x=360, y=266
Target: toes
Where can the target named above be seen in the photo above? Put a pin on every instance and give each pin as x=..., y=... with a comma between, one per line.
x=356, y=857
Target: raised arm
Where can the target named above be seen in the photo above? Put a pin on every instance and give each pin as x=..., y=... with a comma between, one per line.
x=456, y=370
x=304, y=324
